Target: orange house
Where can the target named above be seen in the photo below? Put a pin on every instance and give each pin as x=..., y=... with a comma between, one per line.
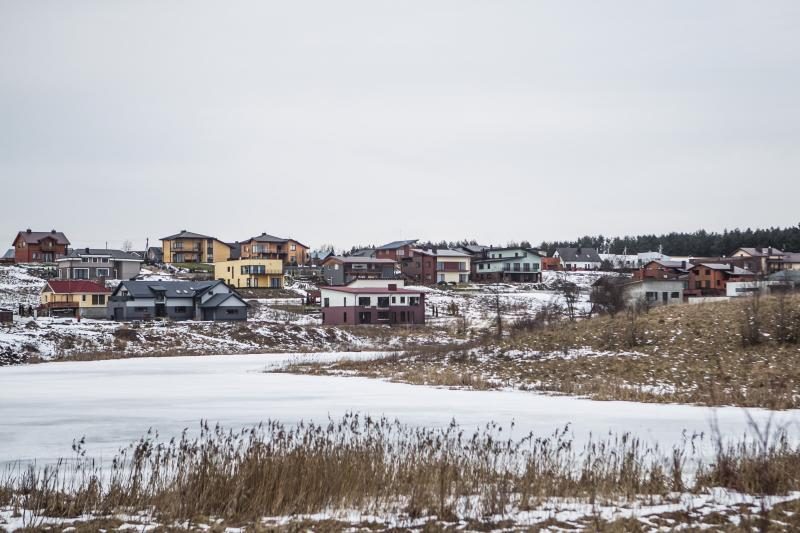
x=711, y=279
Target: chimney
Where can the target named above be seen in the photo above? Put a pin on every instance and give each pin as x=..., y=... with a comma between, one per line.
x=683, y=265
x=769, y=250
x=263, y=233
x=393, y=286
x=87, y=249
x=52, y=231
x=28, y=230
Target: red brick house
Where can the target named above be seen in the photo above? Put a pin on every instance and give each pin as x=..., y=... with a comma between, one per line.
x=39, y=246
x=396, y=251
x=711, y=279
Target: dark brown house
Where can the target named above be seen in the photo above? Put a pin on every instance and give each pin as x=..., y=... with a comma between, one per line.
x=39, y=246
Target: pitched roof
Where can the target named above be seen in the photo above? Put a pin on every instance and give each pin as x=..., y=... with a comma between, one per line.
x=440, y=252
x=34, y=237
x=735, y=270
x=763, y=251
x=351, y=259
x=570, y=255
x=396, y=244
x=119, y=255
x=68, y=286
x=172, y=289
x=680, y=265
x=266, y=237
x=189, y=235
x=9, y=254
x=370, y=290
x=218, y=299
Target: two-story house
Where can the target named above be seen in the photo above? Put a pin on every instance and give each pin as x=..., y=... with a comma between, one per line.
x=341, y=270
x=578, y=258
x=763, y=260
x=75, y=298
x=177, y=300
x=368, y=302
x=252, y=273
x=513, y=264
x=436, y=265
x=39, y=246
x=265, y=246
x=99, y=264
x=711, y=279
x=188, y=247
x=396, y=250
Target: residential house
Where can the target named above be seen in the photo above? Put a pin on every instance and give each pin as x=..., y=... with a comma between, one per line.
x=364, y=302
x=188, y=247
x=578, y=258
x=76, y=298
x=761, y=259
x=154, y=255
x=396, y=250
x=8, y=257
x=265, y=246
x=664, y=269
x=341, y=270
x=39, y=246
x=436, y=265
x=791, y=261
x=99, y=264
x=513, y=264
x=711, y=279
x=250, y=273
x=177, y=300
x=551, y=263
x=645, y=257
x=636, y=292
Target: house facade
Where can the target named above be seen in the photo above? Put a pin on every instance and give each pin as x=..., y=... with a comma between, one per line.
x=75, y=298
x=654, y=291
x=39, y=246
x=176, y=300
x=99, y=264
x=188, y=247
x=341, y=270
x=578, y=258
x=514, y=264
x=711, y=279
x=389, y=303
x=664, y=269
x=763, y=260
x=265, y=246
x=250, y=273
x=396, y=250
x=436, y=265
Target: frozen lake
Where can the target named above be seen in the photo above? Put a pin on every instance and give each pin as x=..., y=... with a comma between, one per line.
x=44, y=407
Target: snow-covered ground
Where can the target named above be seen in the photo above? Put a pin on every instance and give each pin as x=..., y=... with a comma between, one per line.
x=19, y=286
x=44, y=407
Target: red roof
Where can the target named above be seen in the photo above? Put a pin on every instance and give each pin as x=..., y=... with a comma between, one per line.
x=370, y=290
x=66, y=286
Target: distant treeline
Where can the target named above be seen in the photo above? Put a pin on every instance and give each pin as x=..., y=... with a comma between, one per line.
x=700, y=243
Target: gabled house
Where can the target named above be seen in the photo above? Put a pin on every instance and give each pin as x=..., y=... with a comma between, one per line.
x=341, y=270
x=372, y=302
x=761, y=259
x=177, y=300
x=39, y=246
x=154, y=255
x=711, y=279
x=665, y=269
x=99, y=264
x=436, y=265
x=188, y=247
x=578, y=258
x=75, y=298
x=514, y=264
x=250, y=273
x=634, y=292
x=396, y=250
x=265, y=246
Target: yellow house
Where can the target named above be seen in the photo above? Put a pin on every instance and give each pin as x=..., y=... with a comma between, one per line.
x=239, y=273
x=188, y=247
x=77, y=298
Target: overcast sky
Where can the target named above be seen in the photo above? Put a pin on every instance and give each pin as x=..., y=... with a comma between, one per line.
x=364, y=122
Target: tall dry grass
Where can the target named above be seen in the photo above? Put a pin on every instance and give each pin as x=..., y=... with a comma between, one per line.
x=379, y=467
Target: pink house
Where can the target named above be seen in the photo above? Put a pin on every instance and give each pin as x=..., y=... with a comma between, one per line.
x=379, y=302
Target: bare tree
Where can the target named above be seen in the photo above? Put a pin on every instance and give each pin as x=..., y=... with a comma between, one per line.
x=608, y=295
x=127, y=245
x=570, y=293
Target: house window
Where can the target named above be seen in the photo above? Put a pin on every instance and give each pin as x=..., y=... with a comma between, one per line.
x=326, y=302
x=231, y=311
x=98, y=299
x=102, y=272
x=394, y=299
x=293, y=247
x=80, y=273
x=383, y=301
x=462, y=278
x=83, y=297
x=383, y=315
x=402, y=299
x=345, y=316
x=364, y=301
x=180, y=309
x=140, y=309
x=675, y=295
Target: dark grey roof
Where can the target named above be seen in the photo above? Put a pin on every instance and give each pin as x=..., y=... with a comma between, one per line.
x=266, y=237
x=785, y=275
x=114, y=254
x=9, y=254
x=186, y=235
x=364, y=252
x=572, y=255
x=33, y=237
x=726, y=267
x=396, y=244
x=218, y=299
x=474, y=248
x=173, y=289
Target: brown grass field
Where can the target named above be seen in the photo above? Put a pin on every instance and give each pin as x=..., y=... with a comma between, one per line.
x=743, y=353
